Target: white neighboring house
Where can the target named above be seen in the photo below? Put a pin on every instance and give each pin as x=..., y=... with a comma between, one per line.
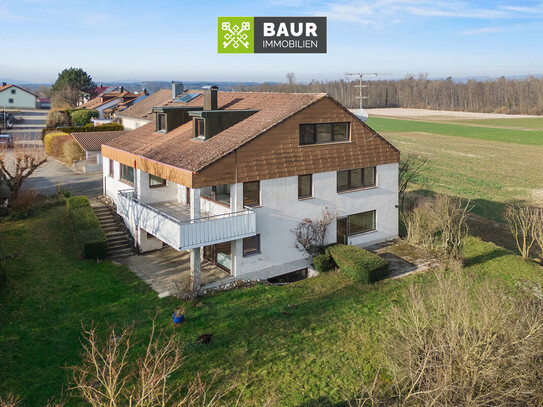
x=106, y=103
x=15, y=97
x=229, y=175
x=141, y=113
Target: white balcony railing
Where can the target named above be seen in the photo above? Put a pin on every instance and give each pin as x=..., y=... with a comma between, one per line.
x=186, y=233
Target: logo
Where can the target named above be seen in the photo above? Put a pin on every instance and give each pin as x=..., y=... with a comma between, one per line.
x=236, y=35
x=271, y=35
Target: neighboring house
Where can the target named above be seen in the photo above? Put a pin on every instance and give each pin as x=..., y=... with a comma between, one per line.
x=141, y=113
x=229, y=175
x=99, y=90
x=106, y=103
x=44, y=103
x=15, y=97
x=91, y=143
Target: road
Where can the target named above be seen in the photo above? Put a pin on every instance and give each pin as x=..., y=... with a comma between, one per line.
x=52, y=175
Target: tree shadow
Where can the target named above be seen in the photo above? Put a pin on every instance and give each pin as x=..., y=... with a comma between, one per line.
x=483, y=258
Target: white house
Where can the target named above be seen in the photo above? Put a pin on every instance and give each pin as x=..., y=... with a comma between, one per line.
x=15, y=97
x=106, y=103
x=229, y=175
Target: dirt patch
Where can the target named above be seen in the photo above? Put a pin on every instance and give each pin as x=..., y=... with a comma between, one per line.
x=536, y=197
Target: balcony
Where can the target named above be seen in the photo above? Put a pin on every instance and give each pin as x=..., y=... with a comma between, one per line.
x=171, y=223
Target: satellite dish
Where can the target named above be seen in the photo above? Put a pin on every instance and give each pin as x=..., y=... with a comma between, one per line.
x=361, y=114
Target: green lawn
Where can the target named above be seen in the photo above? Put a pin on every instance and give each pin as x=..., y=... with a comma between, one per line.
x=385, y=125
x=535, y=123
x=311, y=340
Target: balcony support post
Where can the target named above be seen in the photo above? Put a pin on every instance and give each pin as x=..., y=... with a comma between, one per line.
x=195, y=265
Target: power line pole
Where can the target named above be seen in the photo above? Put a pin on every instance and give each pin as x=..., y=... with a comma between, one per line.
x=360, y=86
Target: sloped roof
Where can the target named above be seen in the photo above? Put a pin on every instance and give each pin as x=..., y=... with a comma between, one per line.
x=177, y=148
x=143, y=108
x=4, y=87
x=105, y=98
x=92, y=141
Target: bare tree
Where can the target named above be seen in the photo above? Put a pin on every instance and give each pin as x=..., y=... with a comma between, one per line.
x=65, y=97
x=522, y=221
x=291, y=78
x=410, y=170
x=17, y=164
x=311, y=234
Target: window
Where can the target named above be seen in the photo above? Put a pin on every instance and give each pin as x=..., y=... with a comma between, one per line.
x=357, y=178
x=111, y=168
x=13, y=91
x=218, y=193
x=127, y=174
x=161, y=122
x=10, y=101
x=199, y=128
x=251, y=245
x=155, y=182
x=319, y=133
x=251, y=193
x=354, y=225
x=305, y=186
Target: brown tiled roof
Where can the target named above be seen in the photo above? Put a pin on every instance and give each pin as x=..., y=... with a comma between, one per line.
x=92, y=141
x=4, y=87
x=142, y=109
x=177, y=148
x=105, y=98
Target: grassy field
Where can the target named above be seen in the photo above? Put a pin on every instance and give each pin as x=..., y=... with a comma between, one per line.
x=307, y=343
x=512, y=136
x=525, y=123
x=477, y=164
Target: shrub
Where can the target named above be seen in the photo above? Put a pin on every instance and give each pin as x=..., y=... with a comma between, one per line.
x=72, y=151
x=83, y=129
x=87, y=227
x=324, y=262
x=83, y=117
x=359, y=264
x=57, y=118
x=48, y=140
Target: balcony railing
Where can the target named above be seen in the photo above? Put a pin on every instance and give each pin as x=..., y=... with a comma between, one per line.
x=186, y=233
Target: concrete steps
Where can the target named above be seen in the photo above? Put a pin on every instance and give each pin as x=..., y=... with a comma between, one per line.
x=119, y=244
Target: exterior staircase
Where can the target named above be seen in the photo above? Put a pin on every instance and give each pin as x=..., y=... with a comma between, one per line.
x=119, y=242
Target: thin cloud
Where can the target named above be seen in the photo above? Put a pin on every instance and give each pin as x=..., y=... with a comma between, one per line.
x=484, y=30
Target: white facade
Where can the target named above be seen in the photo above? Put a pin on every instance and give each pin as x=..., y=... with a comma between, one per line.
x=131, y=123
x=279, y=213
x=17, y=98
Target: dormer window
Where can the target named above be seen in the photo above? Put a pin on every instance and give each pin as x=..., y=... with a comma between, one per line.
x=161, y=122
x=199, y=128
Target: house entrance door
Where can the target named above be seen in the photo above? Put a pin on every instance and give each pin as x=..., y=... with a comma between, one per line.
x=219, y=255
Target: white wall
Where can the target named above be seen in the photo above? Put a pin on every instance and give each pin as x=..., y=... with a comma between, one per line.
x=130, y=123
x=21, y=99
x=111, y=103
x=281, y=211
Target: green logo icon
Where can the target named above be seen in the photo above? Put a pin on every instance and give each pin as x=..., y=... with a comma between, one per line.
x=235, y=35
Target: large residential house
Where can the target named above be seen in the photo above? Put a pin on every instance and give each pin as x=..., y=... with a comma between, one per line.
x=15, y=97
x=229, y=175
x=141, y=113
x=107, y=103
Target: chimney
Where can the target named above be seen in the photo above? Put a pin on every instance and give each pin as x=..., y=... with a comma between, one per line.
x=4, y=83
x=177, y=89
x=210, y=97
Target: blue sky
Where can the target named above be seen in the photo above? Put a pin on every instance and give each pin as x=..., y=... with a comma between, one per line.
x=176, y=39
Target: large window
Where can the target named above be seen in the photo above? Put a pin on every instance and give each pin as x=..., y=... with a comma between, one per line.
x=357, y=178
x=161, y=122
x=156, y=182
x=318, y=133
x=218, y=193
x=305, y=186
x=251, y=245
x=127, y=174
x=354, y=225
x=251, y=193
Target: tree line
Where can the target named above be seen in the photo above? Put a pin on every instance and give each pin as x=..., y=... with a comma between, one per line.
x=515, y=96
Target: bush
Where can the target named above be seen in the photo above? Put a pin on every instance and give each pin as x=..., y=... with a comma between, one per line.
x=359, y=264
x=72, y=151
x=87, y=227
x=57, y=118
x=48, y=140
x=82, y=117
x=324, y=262
x=83, y=129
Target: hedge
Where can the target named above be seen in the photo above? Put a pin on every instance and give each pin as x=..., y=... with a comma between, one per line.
x=72, y=151
x=83, y=129
x=359, y=264
x=91, y=237
x=82, y=117
x=324, y=262
x=48, y=142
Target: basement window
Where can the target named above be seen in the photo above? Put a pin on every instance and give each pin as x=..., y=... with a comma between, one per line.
x=251, y=245
x=320, y=133
x=156, y=182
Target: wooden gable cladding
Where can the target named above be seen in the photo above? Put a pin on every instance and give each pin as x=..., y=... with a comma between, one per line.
x=276, y=153
x=169, y=172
